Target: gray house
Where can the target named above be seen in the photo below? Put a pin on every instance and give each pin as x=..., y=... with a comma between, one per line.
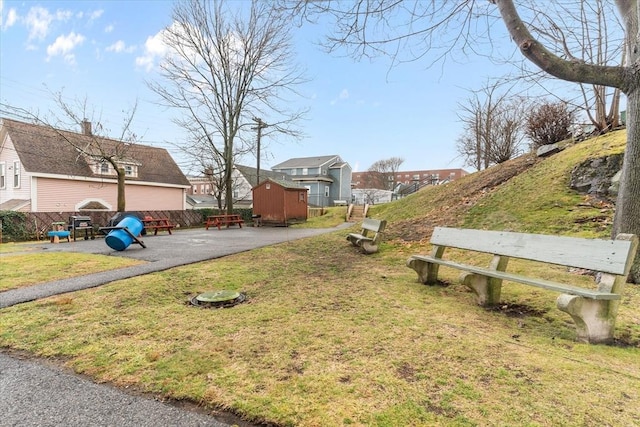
x=328, y=178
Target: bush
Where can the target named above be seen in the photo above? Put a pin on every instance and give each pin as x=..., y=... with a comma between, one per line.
x=549, y=123
x=14, y=226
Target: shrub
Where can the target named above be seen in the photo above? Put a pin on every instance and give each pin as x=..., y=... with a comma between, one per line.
x=549, y=123
x=13, y=226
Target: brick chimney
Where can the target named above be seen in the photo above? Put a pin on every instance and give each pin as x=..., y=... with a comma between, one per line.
x=86, y=127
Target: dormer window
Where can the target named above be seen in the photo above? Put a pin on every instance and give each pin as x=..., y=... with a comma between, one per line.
x=104, y=168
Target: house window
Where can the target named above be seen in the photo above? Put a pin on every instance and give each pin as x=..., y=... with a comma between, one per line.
x=326, y=191
x=3, y=173
x=293, y=171
x=195, y=189
x=104, y=168
x=305, y=171
x=301, y=196
x=129, y=170
x=16, y=174
x=206, y=189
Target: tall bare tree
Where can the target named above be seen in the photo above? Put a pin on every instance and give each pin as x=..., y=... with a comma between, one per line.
x=589, y=32
x=492, y=126
x=439, y=29
x=227, y=63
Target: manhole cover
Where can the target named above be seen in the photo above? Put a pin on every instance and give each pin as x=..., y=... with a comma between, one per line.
x=218, y=299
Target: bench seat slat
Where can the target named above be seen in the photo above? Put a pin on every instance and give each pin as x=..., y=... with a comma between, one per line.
x=540, y=283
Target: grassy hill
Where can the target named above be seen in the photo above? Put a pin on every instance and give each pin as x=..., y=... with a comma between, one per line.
x=525, y=194
x=331, y=337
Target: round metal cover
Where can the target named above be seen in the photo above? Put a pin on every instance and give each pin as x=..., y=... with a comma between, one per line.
x=218, y=296
x=218, y=299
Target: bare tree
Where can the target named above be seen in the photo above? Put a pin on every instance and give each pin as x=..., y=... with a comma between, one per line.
x=492, y=126
x=226, y=65
x=443, y=28
x=382, y=173
x=104, y=153
x=589, y=32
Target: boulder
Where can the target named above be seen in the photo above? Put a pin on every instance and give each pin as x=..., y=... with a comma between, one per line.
x=596, y=177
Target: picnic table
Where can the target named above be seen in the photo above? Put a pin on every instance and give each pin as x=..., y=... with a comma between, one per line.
x=220, y=220
x=156, y=224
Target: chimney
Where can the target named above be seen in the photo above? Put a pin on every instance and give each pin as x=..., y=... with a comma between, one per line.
x=86, y=127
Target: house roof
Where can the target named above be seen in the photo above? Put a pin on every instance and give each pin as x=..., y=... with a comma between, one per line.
x=307, y=162
x=43, y=149
x=250, y=174
x=13, y=204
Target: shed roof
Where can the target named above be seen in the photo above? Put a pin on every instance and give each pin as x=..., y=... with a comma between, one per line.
x=250, y=174
x=288, y=185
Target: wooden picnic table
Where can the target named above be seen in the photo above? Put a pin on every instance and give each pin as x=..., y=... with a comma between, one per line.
x=156, y=224
x=220, y=220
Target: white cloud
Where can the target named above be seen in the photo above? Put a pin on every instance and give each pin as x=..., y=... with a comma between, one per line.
x=64, y=46
x=119, y=47
x=95, y=14
x=38, y=21
x=108, y=28
x=12, y=18
x=154, y=49
x=344, y=94
x=63, y=15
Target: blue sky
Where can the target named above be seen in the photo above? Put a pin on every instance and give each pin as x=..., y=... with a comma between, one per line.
x=361, y=111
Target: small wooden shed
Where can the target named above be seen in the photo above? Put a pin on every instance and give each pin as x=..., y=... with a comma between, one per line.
x=279, y=202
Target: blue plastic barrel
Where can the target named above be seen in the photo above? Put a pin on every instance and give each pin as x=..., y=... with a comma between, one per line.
x=120, y=240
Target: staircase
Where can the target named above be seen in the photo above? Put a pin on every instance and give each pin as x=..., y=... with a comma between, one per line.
x=356, y=213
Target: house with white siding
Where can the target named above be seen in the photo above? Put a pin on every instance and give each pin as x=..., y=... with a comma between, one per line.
x=42, y=171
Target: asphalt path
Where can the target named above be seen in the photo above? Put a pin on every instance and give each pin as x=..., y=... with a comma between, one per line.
x=34, y=392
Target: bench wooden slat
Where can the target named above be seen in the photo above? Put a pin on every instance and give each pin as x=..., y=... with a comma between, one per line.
x=540, y=283
x=609, y=256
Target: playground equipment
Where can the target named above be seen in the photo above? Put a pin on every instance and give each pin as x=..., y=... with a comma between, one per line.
x=122, y=235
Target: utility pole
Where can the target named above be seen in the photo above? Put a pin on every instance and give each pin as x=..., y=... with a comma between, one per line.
x=260, y=125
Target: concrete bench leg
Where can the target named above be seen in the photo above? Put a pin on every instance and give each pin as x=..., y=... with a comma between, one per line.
x=595, y=319
x=369, y=247
x=427, y=271
x=487, y=289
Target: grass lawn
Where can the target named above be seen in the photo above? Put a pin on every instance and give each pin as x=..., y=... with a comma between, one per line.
x=24, y=269
x=330, y=337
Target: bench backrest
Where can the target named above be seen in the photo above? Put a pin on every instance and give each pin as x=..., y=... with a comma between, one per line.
x=609, y=256
x=375, y=225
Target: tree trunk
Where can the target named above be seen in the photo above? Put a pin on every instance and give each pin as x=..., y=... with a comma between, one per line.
x=627, y=214
x=121, y=186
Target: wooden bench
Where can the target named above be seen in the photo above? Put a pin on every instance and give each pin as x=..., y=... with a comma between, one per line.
x=594, y=311
x=370, y=236
x=220, y=220
x=156, y=224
